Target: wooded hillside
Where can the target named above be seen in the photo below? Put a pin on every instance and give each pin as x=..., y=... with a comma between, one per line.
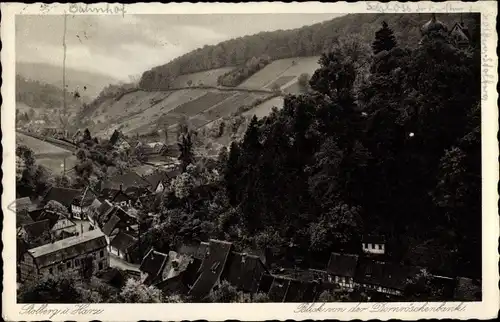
x=306, y=41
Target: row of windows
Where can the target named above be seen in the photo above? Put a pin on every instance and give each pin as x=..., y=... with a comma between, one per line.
x=75, y=264
x=373, y=246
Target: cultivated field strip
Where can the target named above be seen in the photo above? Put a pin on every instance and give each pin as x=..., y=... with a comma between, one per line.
x=268, y=74
x=200, y=104
x=280, y=81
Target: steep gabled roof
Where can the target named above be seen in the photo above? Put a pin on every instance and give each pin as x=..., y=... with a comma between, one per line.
x=110, y=225
x=211, y=268
x=130, y=179
x=342, y=264
x=64, y=196
x=384, y=274
x=461, y=28
x=123, y=241
x=155, y=178
x=373, y=239
x=278, y=289
x=301, y=291
x=86, y=198
x=152, y=264
x=244, y=271
x=37, y=228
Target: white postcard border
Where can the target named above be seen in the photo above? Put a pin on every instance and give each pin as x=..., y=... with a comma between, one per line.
x=489, y=306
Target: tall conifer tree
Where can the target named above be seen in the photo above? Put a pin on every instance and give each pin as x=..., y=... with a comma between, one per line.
x=384, y=39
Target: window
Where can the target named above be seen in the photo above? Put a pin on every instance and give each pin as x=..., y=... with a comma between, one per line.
x=77, y=262
x=51, y=270
x=61, y=268
x=379, y=246
x=68, y=264
x=101, y=253
x=100, y=265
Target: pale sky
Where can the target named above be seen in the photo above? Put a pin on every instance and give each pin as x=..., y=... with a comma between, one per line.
x=123, y=46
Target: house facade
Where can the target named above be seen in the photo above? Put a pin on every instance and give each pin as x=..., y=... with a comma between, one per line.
x=342, y=269
x=373, y=245
x=86, y=251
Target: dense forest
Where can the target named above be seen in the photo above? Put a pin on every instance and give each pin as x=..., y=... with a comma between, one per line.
x=306, y=41
x=399, y=155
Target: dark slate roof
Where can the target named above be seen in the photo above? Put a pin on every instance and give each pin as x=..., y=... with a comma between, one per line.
x=468, y=289
x=278, y=289
x=61, y=250
x=173, y=173
x=37, y=228
x=342, y=264
x=301, y=291
x=383, y=274
x=462, y=28
x=153, y=264
x=154, y=179
x=64, y=196
x=373, y=239
x=112, y=194
x=104, y=208
x=86, y=198
x=135, y=192
x=211, y=268
x=244, y=271
x=173, y=286
x=111, y=224
x=130, y=179
x=123, y=241
x=265, y=283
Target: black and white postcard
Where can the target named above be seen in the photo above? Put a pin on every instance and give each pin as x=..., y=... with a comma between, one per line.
x=249, y=161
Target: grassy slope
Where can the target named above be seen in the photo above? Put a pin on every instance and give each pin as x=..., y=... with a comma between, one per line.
x=141, y=111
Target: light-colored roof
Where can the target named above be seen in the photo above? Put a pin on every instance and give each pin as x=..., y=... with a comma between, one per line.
x=69, y=247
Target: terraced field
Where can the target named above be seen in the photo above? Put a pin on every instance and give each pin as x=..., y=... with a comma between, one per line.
x=141, y=123
x=201, y=103
x=141, y=111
